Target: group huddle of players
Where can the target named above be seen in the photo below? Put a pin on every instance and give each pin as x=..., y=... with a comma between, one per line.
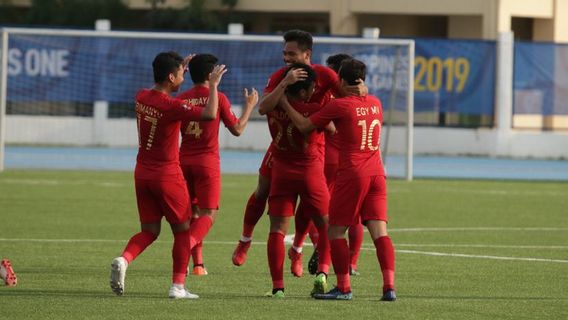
x=325, y=130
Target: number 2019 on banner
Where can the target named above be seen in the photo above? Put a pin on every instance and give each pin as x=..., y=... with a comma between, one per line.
x=431, y=74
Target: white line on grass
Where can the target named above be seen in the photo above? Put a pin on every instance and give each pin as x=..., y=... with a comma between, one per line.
x=477, y=229
x=441, y=254
x=494, y=246
x=47, y=182
x=460, y=255
x=497, y=192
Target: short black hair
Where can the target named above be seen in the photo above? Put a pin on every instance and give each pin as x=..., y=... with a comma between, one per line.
x=294, y=88
x=351, y=70
x=334, y=61
x=303, y=38
x=164, y=64
x=201, y=66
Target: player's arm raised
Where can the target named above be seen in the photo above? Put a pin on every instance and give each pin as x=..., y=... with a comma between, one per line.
x=302, y=123
x=211, y=109
x=269, y=100
x=250, y=102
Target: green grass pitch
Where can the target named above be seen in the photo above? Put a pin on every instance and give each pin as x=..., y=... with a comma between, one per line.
x=465, y=250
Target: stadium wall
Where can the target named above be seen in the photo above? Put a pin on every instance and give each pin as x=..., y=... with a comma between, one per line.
x=427, y=140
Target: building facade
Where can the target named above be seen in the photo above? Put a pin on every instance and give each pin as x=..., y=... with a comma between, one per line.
x=537, y=20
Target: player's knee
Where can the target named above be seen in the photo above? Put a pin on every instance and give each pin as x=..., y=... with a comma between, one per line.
x=212, y=213
x=377, y=228
x=320, y=221
x=279, y=224
x=262, y=189
x=153, y=228
x=336, y=232
x=179, y=227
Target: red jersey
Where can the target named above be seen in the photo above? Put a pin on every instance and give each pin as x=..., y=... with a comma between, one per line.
x=200, y=139
x=358, y=121
x=159, y=117
x=331, y=149
x=327, y=83
x=294, y=152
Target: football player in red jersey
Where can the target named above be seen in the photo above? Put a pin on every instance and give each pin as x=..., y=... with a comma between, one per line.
x=356, y=231
x=297, y=49
x=159, y=183
x=360, y=186
x=199, y=151
x=300, y=174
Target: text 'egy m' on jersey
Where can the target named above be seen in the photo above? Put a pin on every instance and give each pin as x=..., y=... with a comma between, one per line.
x=358, y=121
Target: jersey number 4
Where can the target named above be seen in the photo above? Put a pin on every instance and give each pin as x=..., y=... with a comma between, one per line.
x=367, y=134
x=193, y=129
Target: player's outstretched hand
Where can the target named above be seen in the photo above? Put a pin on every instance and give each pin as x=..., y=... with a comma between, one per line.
x=252, y=98
x=360, y=89
x=188, y=58
x=296, y=74
x=216, y=75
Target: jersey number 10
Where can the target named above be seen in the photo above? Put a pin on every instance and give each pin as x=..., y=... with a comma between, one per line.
x=367, y=134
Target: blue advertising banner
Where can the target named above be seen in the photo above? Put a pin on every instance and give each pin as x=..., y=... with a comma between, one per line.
x=86, y=69
x=450, y=75
x=454, y=76
x=540, y=80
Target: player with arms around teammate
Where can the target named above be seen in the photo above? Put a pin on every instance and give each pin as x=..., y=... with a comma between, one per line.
x=297, y=49
x=199, y=151
x=300, y=174
x=360, y=186
x=356, y=232
x=159, y=183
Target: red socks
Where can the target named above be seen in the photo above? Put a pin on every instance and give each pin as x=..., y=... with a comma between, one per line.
x=302, y=223
x=198, y=230
x=314, y=234
x=137, y=244
x=356, y=233
x=180, y=255
x=253, y=212
x=197, y=254
x=323, y=250
x=385, y=254
x=340, y=259
x=276, y=253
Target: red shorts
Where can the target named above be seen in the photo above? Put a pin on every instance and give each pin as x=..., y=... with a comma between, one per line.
x=204, y=185
x=330, y=171
x=359, y=197
x=157, y=199
x=265, y=169
x=312, y=191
